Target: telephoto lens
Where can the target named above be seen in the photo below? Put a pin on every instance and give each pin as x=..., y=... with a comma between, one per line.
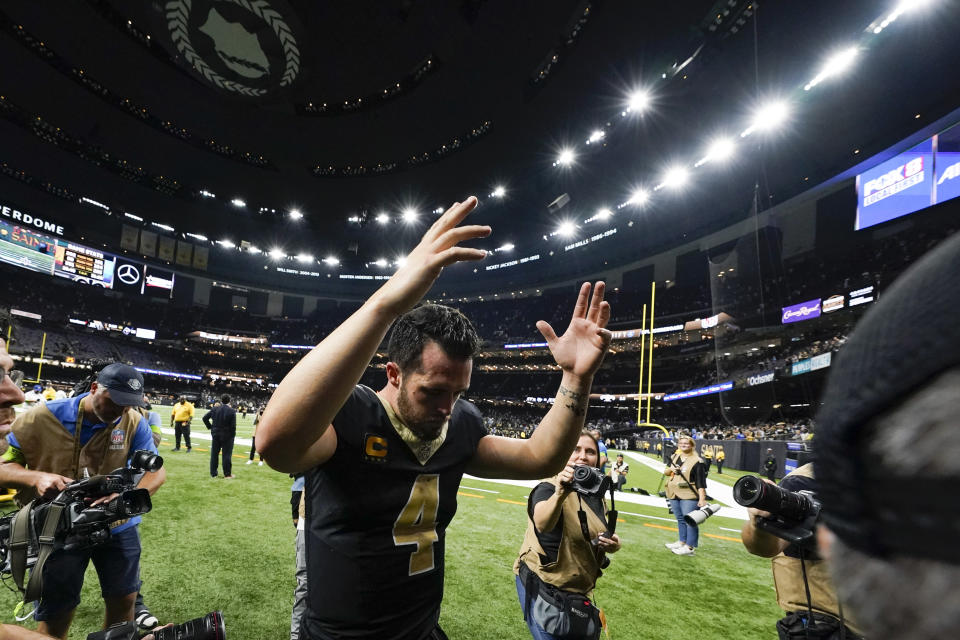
x=699, y=516
x=209, y=627
x=751, y=491
x=143, y=459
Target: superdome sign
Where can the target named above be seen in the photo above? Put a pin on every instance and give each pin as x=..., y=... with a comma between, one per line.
x=29, y=220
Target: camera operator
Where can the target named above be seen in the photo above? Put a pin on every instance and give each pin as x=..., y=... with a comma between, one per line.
x=686, y=491
x=797, y=571
x=888, y=457
x=557, y=552
x=53, y=444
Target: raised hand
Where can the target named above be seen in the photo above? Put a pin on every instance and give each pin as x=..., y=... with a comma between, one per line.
x=581, y=348
x=437, y=249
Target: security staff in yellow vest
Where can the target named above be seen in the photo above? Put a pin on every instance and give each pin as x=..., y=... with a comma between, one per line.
x=554, y=548
x=787, y=570
x=55, y=443
x=180, y=416
x=686, y=491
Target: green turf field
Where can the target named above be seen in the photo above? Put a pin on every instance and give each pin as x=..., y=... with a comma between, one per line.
x=229, y=545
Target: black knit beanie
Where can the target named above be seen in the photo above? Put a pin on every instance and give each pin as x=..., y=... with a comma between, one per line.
x=909, y=337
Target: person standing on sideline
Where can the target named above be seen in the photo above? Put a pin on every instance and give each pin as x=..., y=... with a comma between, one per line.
x=222, y=422
x=770, y=466
x=721, y=456
x=686, y=491
x=253, y=438
x=181, y=416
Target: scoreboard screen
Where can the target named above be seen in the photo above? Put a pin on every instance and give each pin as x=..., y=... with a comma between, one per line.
x=85, y=265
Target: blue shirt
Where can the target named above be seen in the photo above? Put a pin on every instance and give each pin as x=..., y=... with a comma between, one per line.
x=65, y=411
x=603, y=453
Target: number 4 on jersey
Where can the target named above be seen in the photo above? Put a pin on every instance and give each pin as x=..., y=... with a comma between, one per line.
x=417, y=522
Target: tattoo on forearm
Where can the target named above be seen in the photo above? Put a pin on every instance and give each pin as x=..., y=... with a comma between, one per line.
x=575, y=401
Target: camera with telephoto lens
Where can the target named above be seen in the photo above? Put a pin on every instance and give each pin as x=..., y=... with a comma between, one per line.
x=209, y=627
x=589, y=481
x=793, y=514
x=78, y=524
x=699, y=516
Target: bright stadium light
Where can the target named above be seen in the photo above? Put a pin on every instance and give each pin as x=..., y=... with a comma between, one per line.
x=719, y=150
x=566, y=229
x=639, y=197
x=226, y=244
x=409, y=215
x=604, y=214
x=331, y=261
x=198, y=236
x=768, y=117
x=295, y=214
x=380, y=262
x=277, y=253
x=237, y=202
x=596, y=136
x=835, y=65
x=565, y=158
x=304, y=257
x=253, y=249
x=675, y=177
x=506, y=247
x=638, y=101
x=399, y=262
x=499, y=191
x=382, y=218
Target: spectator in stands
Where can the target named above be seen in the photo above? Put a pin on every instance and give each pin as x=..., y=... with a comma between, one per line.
x=770, y=466
x=181, y=416
x=222, y=422
x=888, y=458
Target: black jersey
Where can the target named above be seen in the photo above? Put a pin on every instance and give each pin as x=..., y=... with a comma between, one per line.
x=376, y=519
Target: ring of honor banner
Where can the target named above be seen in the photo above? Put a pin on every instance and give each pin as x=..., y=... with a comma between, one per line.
x=167, y=249
x=129, y=237
x=184, y=253
x=200, y=256
x=148, y=243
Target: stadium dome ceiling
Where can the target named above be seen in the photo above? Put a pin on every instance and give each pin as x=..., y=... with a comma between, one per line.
x=341, y=110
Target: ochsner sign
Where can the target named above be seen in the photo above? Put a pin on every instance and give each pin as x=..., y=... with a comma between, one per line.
x=803, y=311
x=27, y=220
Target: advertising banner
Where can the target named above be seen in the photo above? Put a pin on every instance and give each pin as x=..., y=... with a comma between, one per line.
x=833, y=303
x=760, y=378
x=703, y=391
x=899, y=186
x=802, y=311
x=948, y=165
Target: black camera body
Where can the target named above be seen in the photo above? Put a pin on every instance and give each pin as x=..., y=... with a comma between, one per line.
x=589, y=481
x=793, y=514
x=80, y=525
x=209, y=627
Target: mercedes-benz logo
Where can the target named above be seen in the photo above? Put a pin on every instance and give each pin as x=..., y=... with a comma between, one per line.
x=128, y=274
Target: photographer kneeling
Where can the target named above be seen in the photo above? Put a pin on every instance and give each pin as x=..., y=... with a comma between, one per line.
x=564, y=549
x=801, y=578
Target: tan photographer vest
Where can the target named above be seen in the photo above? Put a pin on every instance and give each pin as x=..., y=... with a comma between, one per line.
x=48, y=446
x=576, y=568
x=788, y=579
x=677, y=487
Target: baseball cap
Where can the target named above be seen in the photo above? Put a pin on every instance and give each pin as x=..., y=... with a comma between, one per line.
x=124, y=383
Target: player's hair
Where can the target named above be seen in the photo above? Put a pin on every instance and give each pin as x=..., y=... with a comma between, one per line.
x=900, y=597
x=446, y=326
x=225, y=399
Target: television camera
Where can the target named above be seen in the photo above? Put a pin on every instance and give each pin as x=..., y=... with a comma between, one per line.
x=68, y=521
